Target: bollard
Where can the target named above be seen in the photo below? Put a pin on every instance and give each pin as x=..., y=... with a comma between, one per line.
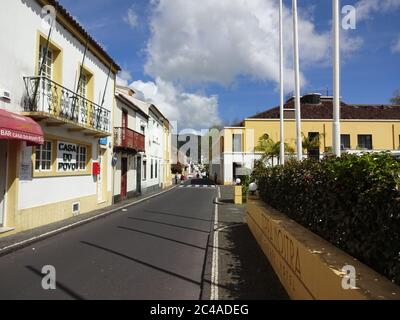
x=238, y=199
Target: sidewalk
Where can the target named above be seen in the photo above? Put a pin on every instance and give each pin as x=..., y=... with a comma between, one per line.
x=244, y=272
x=25, y=238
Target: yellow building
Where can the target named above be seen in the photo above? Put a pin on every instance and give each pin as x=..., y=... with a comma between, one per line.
x=363, y=127
x=167, y=175
x=64, y=82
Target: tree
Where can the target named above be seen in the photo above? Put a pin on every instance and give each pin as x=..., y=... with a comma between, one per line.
x=177, y=168
x=396, y=97
x=270, y=148
x=312, y=144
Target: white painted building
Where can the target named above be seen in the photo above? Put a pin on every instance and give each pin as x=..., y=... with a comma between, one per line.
x=47, y=79
x=155, y=149
x=155, y=163
x=130, y=126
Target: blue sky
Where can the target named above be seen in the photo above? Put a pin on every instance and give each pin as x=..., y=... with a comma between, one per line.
x=370, y=67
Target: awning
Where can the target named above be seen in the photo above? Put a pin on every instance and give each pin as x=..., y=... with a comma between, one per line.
x=16, y=127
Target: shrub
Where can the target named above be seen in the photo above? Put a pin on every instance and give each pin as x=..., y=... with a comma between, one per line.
x=352, y=201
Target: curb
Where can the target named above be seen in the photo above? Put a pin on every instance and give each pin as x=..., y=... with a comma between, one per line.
x=19, y=245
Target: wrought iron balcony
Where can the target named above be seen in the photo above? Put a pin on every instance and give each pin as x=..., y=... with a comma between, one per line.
x=48, y=99
x=128, y=139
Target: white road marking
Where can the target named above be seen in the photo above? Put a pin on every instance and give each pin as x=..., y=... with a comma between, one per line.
x=214, y=268
x=205, y=186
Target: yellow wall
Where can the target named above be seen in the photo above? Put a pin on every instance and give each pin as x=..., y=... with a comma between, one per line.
x=385, y=134
x=27, y=219
x=309, y=267
x=167, y=179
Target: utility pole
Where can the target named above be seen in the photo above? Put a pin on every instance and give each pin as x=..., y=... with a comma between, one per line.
x=299, y=147
x=336, y=78
x=282, y=148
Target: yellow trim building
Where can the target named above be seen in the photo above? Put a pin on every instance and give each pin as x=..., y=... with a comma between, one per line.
x=363, y=128
x=56, y=180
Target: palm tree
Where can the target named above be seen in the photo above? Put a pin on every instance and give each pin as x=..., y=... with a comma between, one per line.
x=312, y=143
x=270, y=148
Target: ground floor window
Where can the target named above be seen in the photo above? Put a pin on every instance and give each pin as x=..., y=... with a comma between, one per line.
x=365, y=141
x=151, y=169
x=144, y=170
x=43, y=157
x=81, y=157
x=156, y=170
x=345, y=141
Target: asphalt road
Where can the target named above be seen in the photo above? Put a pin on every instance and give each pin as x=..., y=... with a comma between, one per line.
x=154, y=250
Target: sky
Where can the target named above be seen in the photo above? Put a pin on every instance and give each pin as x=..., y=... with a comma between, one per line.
x=217, y=62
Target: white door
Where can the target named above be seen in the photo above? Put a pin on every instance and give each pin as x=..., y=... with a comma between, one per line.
x=3, y=175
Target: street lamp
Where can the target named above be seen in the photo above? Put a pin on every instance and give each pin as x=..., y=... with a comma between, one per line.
x=299, y=148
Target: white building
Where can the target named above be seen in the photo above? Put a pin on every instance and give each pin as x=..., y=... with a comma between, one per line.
x=130, y=126
x=64, y=81
x=155, y=164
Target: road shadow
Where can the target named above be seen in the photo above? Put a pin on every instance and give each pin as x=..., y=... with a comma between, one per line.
x=248, y=274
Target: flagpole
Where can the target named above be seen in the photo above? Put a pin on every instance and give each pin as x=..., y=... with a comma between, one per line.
x=336, y=78
x=299, y=148
x=282, y=145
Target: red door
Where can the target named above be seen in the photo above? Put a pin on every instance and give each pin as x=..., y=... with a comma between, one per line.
x=124, y=171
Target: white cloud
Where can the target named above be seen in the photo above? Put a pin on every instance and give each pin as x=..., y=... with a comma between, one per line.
x=396, y=46
x=124, y=77
x=188, y=109
x=131, y=18
x=365, y=8
x=216, y=41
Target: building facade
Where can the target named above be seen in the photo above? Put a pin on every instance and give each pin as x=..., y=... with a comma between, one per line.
x=130, y=126
x=167, y=157
x=363, y=128
x=150, y=153
x=155, y=149
x=58, y=77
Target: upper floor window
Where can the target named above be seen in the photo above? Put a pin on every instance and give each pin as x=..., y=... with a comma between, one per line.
x=365, y=141
x=237, y=143
x=83, y=84
x=43, y=156
x=46, y=60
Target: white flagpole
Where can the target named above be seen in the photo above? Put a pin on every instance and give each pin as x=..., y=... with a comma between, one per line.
x=282, y=148
x=299, y=147
x=336, y=78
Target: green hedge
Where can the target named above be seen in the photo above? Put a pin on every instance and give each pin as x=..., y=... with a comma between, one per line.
x=352, y=201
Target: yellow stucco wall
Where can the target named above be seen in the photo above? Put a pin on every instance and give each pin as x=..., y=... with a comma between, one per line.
x=309, y=267
x=167, y=178
x=385, y=134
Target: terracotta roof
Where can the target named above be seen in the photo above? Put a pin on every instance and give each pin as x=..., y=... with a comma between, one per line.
x=85, y=35
x=324, y=110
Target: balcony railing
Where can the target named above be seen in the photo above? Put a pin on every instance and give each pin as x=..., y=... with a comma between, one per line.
x=128, y=139
x=48, y=97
